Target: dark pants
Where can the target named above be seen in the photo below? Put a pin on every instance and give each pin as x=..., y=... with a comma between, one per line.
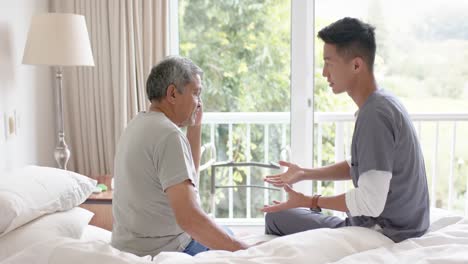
x=195, y=247
x=299, y=219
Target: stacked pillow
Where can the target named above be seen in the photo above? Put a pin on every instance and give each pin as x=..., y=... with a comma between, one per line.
x=33, y=191
x=69, y=224
x=28, y=198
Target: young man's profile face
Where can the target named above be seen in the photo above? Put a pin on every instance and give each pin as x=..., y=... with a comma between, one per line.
x=336, y=69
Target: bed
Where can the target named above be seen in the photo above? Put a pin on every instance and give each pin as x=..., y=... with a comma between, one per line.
x=45, y=225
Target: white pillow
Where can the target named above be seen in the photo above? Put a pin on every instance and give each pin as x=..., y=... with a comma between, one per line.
x=32, y=191
x=71, y=251
x=70, y=224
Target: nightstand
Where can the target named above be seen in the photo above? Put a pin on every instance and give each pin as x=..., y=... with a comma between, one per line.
x=101, y=205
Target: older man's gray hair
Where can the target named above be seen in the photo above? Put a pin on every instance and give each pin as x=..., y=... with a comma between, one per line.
x=175, y=70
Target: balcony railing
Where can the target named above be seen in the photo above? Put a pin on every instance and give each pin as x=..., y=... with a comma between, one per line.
x=429, y=126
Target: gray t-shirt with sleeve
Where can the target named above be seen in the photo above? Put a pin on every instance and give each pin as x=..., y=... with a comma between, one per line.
x=152, y=155
x=384, y=139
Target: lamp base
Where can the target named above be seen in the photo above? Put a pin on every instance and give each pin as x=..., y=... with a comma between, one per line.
x=62, y=154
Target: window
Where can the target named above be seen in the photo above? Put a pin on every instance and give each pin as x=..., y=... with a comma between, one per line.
x=247, y=51
x=263, y=77
x=422, y=49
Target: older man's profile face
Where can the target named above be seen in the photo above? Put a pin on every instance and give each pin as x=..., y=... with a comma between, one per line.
x=190, y=101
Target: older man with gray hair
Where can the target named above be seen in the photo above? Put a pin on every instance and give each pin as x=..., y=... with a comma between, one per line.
x=156, y=205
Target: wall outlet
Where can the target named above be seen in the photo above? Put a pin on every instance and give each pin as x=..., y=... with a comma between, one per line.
x=11, y=124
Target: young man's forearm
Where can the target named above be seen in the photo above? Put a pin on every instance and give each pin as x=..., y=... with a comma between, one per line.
x=337, y=202
x=335, y=172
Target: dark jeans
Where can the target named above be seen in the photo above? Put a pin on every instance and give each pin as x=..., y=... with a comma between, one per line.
x=194, y=247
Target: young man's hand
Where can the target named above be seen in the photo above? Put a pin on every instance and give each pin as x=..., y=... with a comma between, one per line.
x=292, y=175
x=295, y=199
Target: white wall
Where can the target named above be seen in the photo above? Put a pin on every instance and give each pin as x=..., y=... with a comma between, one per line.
x=26, y=89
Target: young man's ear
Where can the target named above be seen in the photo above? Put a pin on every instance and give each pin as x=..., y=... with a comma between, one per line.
x=358, y=64
x=171, y=93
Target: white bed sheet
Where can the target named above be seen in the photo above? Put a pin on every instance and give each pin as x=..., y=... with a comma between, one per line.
x=446, y=242
x=446, y=245
x=94, y=233
x=324, y=245
x=315, y=246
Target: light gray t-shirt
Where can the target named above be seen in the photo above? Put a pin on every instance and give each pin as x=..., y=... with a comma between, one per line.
x=384, y=139
x=152, y=155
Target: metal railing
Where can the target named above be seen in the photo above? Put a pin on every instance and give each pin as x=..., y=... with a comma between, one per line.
x=266, y=119
x=343, y=124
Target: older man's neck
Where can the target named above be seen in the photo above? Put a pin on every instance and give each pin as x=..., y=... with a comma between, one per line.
x=162, y=107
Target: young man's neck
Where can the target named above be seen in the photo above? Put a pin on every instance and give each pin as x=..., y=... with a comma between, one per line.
x=364, y=87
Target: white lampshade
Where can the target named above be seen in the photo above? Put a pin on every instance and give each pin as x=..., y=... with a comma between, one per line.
x=58, y=39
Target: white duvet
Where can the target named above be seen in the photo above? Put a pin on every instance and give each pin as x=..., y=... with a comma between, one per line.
x=446, y=242
x=447, y=245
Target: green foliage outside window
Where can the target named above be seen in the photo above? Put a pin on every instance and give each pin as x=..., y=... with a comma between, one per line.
x=243, y=46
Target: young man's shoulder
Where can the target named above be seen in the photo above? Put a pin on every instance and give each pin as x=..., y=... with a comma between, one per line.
x=383, y=108
x=383, y=103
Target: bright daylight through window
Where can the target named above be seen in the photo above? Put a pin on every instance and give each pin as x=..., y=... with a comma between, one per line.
x=244, y=48
x=421, y=57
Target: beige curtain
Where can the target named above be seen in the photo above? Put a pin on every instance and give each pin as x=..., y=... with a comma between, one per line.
x=127, y=37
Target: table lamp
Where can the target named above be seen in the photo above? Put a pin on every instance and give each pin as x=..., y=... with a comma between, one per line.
x=59, y=40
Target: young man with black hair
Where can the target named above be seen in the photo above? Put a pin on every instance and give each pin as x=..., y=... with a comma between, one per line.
x=386, y=166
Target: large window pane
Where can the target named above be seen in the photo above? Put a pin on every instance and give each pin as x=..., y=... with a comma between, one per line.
x=421, y=57
x=244, y=49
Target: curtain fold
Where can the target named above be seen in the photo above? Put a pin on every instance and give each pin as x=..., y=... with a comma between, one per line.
x=127, y=38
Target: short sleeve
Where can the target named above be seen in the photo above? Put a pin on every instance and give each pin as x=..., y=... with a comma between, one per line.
x=174, y=161
x=376, y=142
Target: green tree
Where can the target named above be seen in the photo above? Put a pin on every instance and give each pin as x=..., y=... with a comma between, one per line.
x=243, y=47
